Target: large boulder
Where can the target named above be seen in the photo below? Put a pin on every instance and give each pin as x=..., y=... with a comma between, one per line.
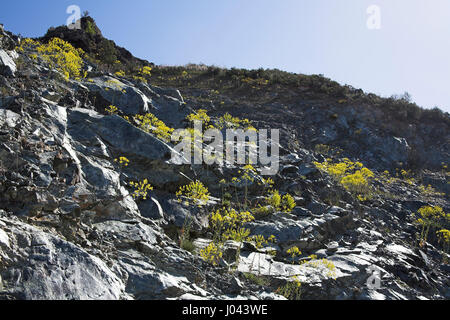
x=128, y=99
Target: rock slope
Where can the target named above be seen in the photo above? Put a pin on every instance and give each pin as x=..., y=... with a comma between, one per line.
x=69, y=228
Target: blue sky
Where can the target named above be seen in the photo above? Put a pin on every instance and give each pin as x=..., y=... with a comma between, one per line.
x=411, y=51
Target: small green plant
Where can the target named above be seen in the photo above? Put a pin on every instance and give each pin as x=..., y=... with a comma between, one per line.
x=185, y=237
x=327, y=150
x=259, y=280
x=429, y=191
x=248, y=176
x=90, y=28
x=188, y=245
x=223, y=184
x=444, y=238
x=292, y=290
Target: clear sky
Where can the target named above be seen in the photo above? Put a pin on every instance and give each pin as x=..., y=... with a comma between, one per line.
x=411, y=51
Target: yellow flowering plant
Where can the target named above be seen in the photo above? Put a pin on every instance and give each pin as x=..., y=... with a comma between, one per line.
x=212, y=254
x=195, y=193
x=428, y=217
x=151, y=124
x=353, y=176
x=62, y=55
x=112, y=110
x=141, y=189
x=444, y=238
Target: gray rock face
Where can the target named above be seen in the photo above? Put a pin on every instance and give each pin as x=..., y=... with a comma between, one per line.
x=41, y=266
x=128, y=99
x=7, y=65
x=8, y=118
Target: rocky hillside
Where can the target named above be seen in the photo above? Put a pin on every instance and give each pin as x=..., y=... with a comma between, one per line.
x=93, y=206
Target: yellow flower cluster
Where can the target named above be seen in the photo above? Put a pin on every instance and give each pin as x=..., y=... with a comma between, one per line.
x=267, y=182
x=112, y=110
x=428, y=217
x=151, y=124
x=259, y=81
x=358, y=182
x=58, y=53
x=353, y=176
x=212, y=254
x=122, y=161
x=322, y=262
x=259, y=241
x=62, y=55
x=444, y=238
x=141, y=189
x=143, y=73
x=429, y=191
x=284, y=204
x=120, y=73
x=194, y=192
x=431, y=214
x=248, y=173
x=288, y=203
x=146, y=71
x=28, y=45
x=226, y=222
x=200, y=115
x=229, y=122
x=294, y=252
x=274, y=199
x=338, y=170
x=444, y=235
